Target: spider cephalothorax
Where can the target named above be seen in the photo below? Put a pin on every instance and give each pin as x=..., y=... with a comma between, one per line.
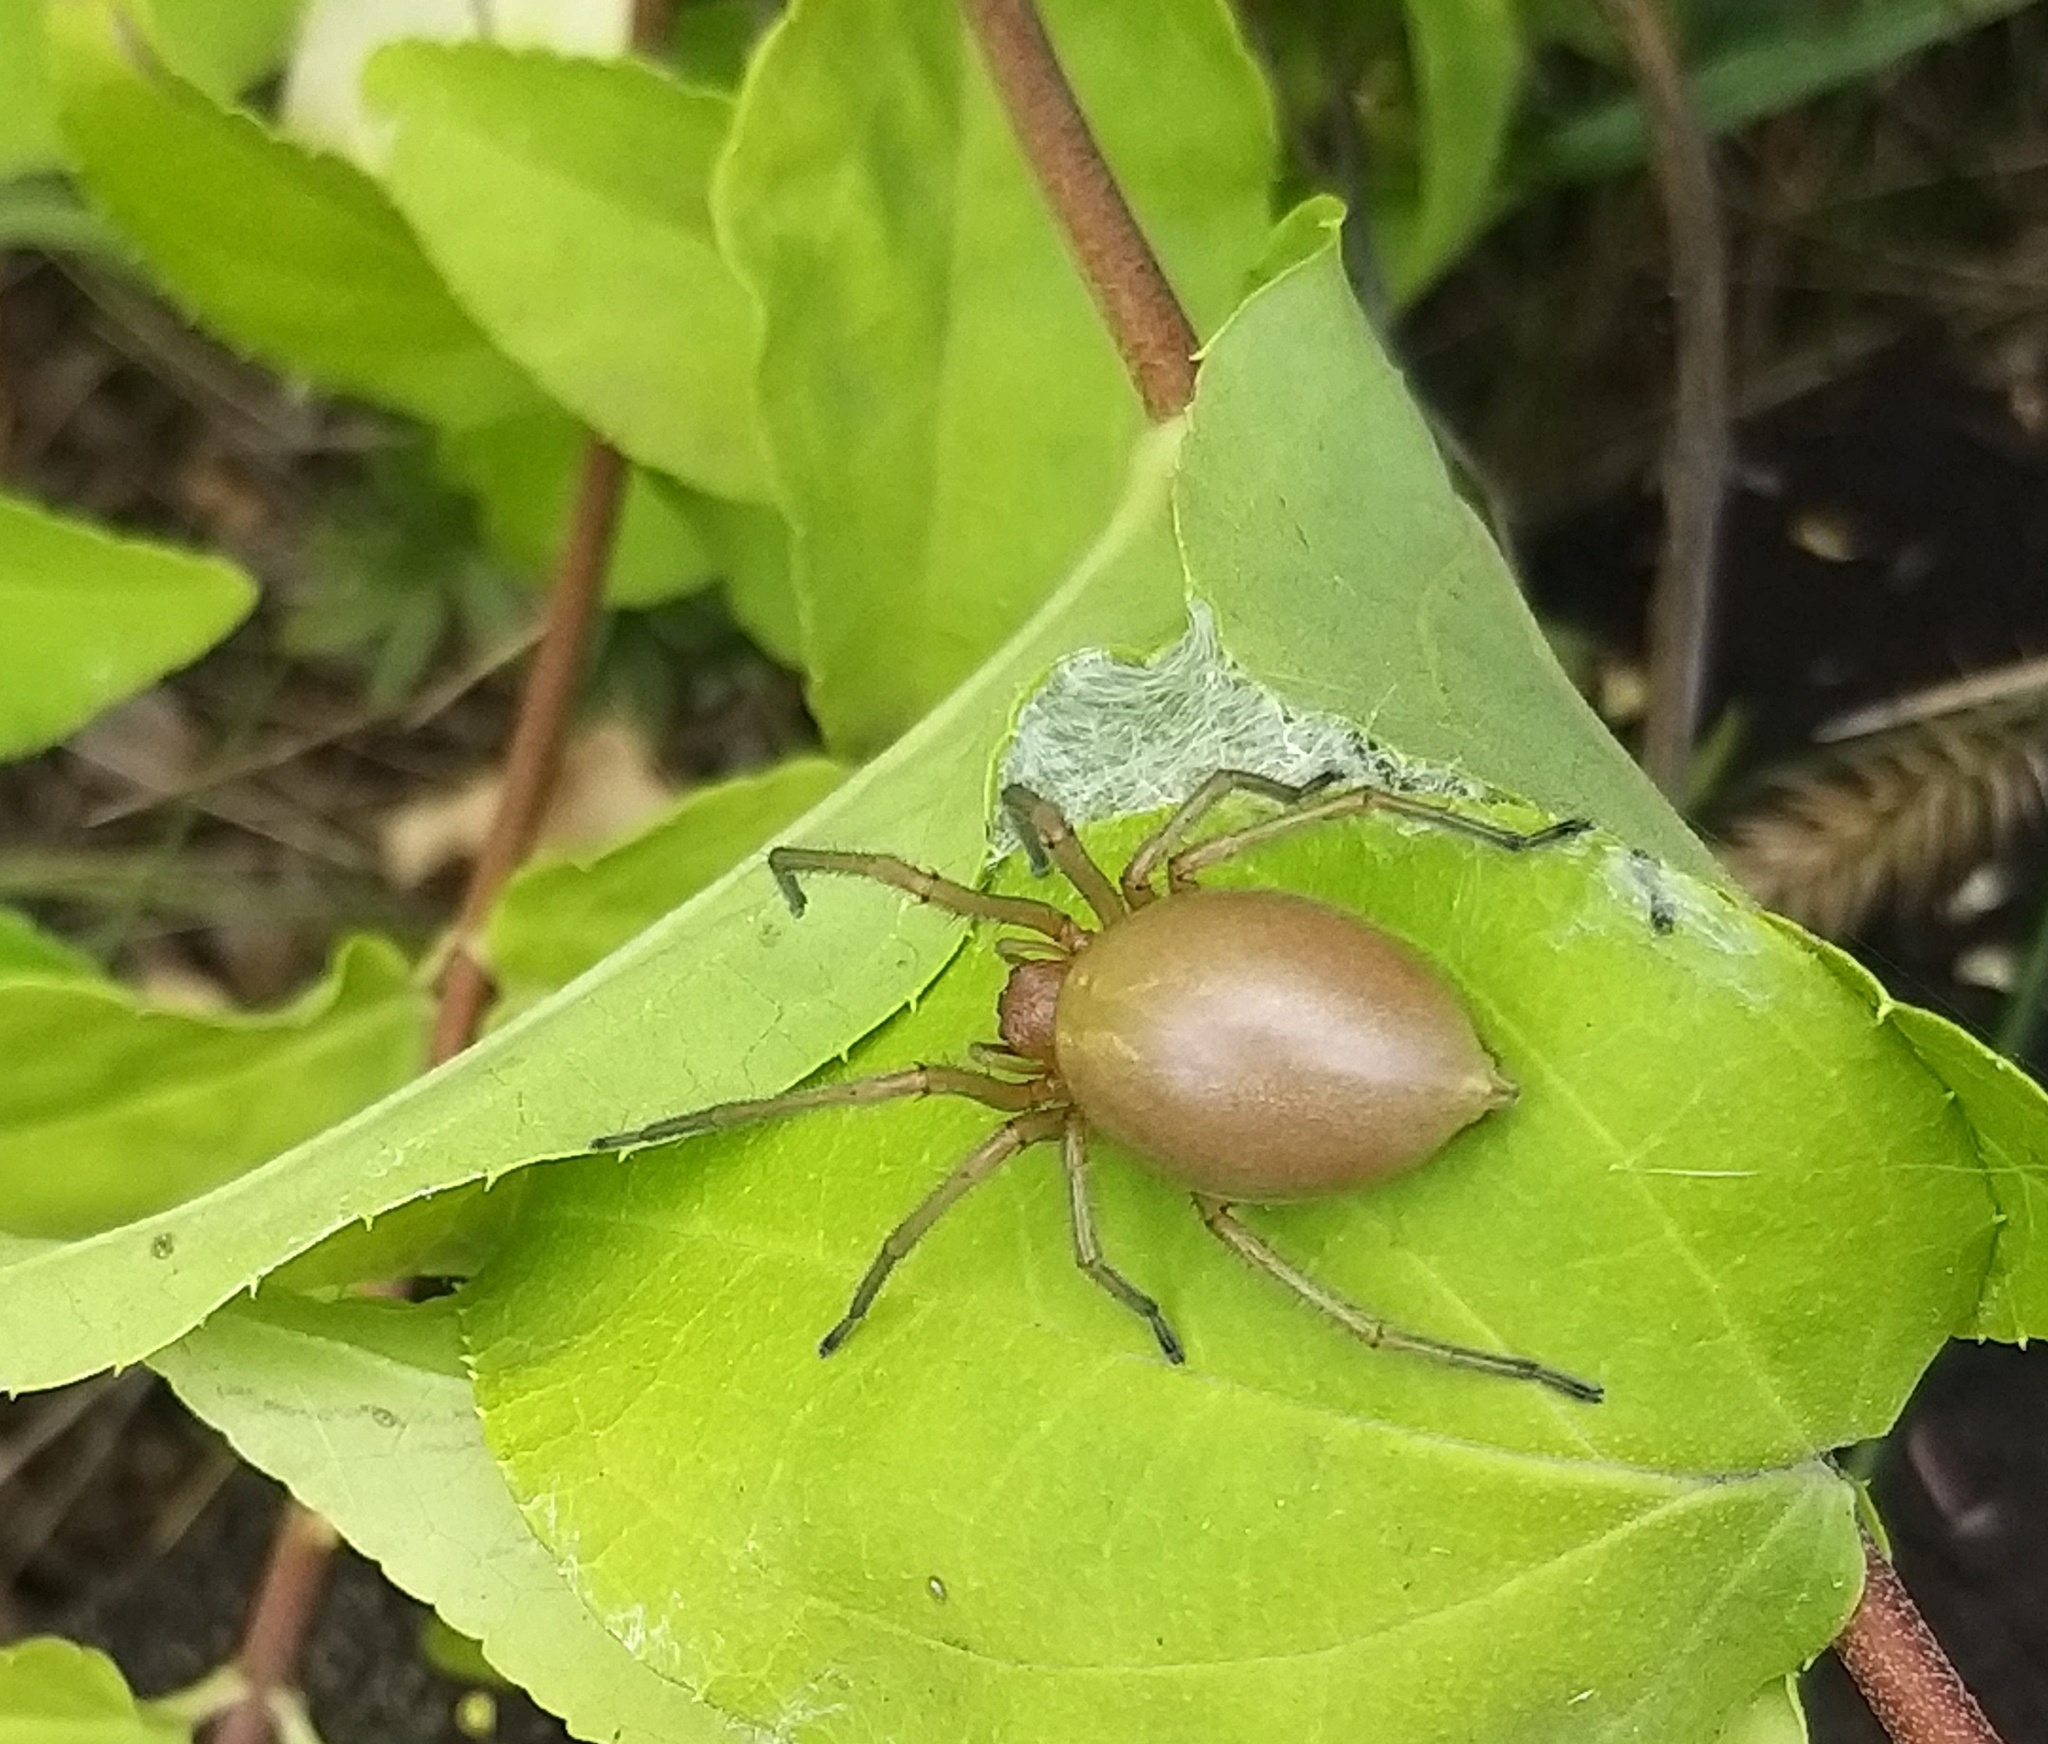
x=1250, y=1045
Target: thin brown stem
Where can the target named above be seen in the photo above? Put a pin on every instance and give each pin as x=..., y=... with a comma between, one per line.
x=1697, y=449
x=1130, y=287
x=535, y=753
x=279, y=1620
x=1900, y=1668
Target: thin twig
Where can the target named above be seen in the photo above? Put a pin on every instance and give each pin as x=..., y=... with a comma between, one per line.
x=1900, y=1668
x=535, y=752
x=1130, y=287
x=1697, y=450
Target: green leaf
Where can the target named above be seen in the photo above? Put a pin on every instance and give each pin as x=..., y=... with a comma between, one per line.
x=719, y=999
x=1773, y=1718
x=565, y=202
x=25, y=949
x=56, y=1692
x=297, y=258
x=224, y=46
x=362, y=1411
x=947, y=418
x=1786, y=55
x=1728, y=1191
x=1390, y=604
x=522, y=471
x=752, y=549
x=92, y=618
x=43, y=212
x=558, y=916
x=1724, y=1192
x=28, y=112
x=132, y=1107
x=1467, y=60
x=709, y=42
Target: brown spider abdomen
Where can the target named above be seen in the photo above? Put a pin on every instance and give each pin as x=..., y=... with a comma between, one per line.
x=1024, y=1012
x=1260, y=1046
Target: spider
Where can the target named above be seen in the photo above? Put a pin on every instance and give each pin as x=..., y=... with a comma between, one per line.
x=1250, y=1045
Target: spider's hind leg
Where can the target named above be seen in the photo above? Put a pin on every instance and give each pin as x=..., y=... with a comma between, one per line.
x=1224, y=1225
x=1088, y=1246
x=976, y=1167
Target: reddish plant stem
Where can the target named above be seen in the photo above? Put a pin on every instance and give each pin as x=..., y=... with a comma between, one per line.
x=1696, y=453
x=535, y=752
x=1130, y=287
x=1900, y=1668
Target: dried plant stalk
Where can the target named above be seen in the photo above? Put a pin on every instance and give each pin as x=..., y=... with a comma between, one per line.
x=1890, y=823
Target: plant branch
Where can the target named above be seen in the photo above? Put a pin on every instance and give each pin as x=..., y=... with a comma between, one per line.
x=1697, y=450
x=1900, y=1668
x=1130, y=287
x=535, y=752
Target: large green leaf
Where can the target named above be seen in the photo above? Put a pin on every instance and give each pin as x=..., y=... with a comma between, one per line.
x=133, y=1107
x=300, y=260
x=92, y=618
x=720, y=999
x=361, y=1409
x=56, y=1692
x=1725, y=1193
x=944, y=413
x=565, y=201
x=1729, y=1191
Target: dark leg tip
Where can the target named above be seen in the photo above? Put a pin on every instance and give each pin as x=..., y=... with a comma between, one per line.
x=785, y=881
x=1169, y=1344
x=836, y=1337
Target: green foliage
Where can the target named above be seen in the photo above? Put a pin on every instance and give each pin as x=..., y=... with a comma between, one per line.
x=92, y=618
x=946, y=417
x=1399, y=589
x=1467, y=67
x=561, y=915
x=300, y=259
x=133, y=1107
x=566, y=202
x=363, y=1409
x=1243, y=1539
x=1750, y=62
x=25, y=949
x=833, y=323
x=725, y=997
x=52, y=1692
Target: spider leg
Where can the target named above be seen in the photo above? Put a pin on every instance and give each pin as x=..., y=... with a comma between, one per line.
x=980, y=1163
x=1182, y=867
x=1137, y=876
x=1088, y=1247
x=920, y=886
x=1217, y=1214
x=884, y=1087
x=1047, y=835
